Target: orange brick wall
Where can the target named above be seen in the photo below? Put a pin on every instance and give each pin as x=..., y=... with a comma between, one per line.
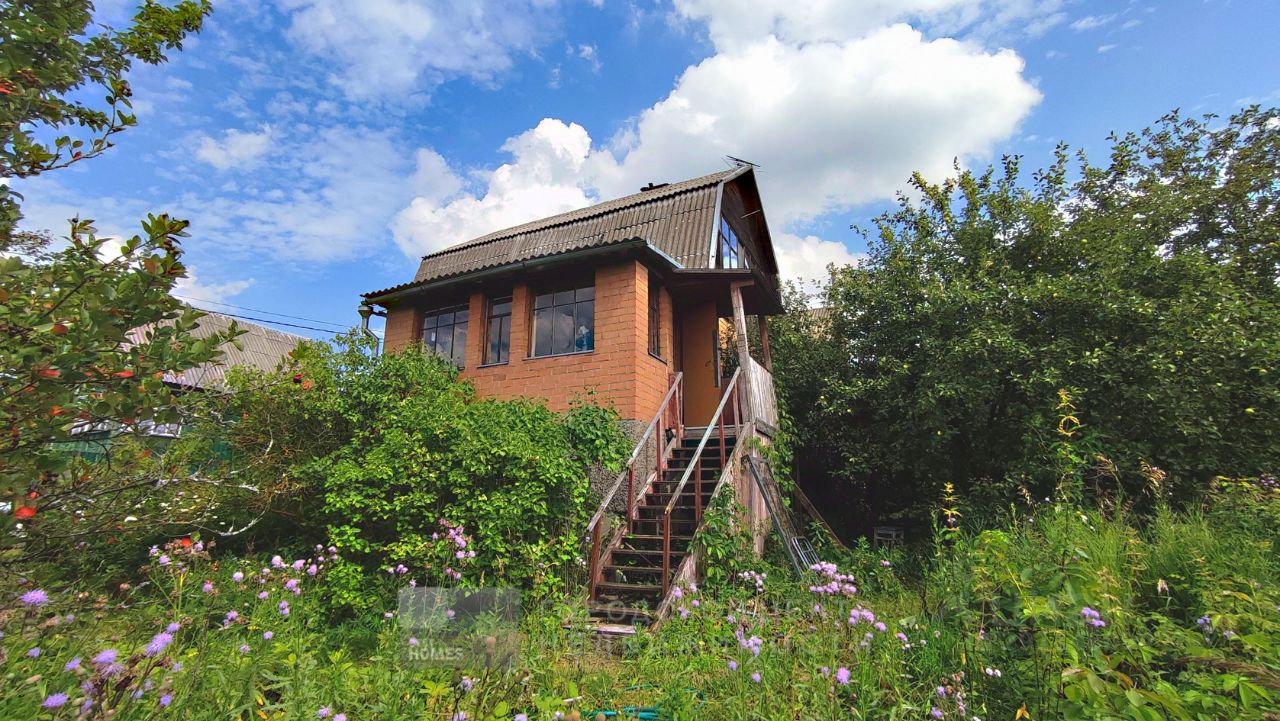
x=619, y=370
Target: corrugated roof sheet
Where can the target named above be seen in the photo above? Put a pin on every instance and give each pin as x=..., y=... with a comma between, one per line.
x=263, y=348
x=676, y=218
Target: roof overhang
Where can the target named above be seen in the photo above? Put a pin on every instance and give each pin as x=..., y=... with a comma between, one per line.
x=632, y=247
x=758, y=296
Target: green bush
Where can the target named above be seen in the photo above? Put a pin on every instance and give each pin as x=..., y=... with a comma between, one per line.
x=382, y=456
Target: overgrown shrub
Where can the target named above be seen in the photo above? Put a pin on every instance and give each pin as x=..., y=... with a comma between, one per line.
x=374, y=453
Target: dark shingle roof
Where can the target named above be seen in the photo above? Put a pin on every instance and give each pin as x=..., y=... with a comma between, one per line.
x=677, y=219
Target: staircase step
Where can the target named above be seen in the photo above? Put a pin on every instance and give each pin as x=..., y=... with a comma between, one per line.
x=621, y=614
x=645, y=570
x=638, y=589
x=646, y=555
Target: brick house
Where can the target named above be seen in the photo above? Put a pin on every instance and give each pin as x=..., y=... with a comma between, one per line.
x=631, y=299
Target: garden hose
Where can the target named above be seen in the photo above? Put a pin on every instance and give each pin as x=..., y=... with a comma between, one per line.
x=645, y=713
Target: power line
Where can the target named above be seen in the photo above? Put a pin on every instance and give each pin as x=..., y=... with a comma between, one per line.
x=259, y=310
x=278, y=322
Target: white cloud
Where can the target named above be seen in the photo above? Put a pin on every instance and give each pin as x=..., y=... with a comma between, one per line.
x=393, y=47
x=1106, y=48
x=190, y=288
x=806, y=258
x=331, y=206
x=237, y=148
x=591, y=55
x=831, y=124
x=734, y=23
x=1092, y=22
x=543, y=178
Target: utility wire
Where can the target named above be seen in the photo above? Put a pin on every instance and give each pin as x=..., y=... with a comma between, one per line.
x=278, y=322
x=259, y=310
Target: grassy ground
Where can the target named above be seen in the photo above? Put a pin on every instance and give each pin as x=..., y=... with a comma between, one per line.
x=1060, y=614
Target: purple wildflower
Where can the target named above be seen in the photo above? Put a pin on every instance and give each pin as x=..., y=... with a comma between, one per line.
x=238, y=576
x=173, y=627
x=244, y=648
x=263, y=595
x=842, y=676
x=166, y=699
x=267, y=635
x=756, y=677
x=34, y=598
x=324, y=712
x=284, y=608
x=936, y=712
x=207, y=587
x=158, y=644
x=733, y=665
x=72, y=665
x=340, y=717
x=56, y=700
x=34, y=652
x=231, y=616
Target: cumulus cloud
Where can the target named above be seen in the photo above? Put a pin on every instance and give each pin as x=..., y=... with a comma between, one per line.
x=235, y=149
x=391, y=47
x=545, y=177
x=806, y=258
x=831, y=124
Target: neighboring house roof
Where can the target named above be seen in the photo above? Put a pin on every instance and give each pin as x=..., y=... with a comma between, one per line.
x=262, y=348
x=677, y=219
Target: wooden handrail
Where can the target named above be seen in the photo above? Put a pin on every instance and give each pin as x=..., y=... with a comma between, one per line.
x=695, y=468
x=635, y=453
x=629, y=473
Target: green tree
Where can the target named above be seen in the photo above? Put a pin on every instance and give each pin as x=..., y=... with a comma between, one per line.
x=89, y=328
x=1145, y=288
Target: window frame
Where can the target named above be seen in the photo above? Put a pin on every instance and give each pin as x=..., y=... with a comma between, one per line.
x=504, y=324
x=552, y=291
x=453, y=325
x=655, y=317
x=727, y=238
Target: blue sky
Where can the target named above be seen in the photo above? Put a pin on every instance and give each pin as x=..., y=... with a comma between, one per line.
x=321, y=146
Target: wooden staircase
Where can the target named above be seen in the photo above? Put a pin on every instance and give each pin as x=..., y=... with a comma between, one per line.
x=635, y=574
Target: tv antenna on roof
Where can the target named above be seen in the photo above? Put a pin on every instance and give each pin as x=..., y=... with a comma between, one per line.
x=739, y=161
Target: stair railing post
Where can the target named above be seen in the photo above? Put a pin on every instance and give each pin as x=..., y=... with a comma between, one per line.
x=720, y=426
x=666, y=553
x=659, y=442
x=595, y=558
x=631, y=492
x=697, y=493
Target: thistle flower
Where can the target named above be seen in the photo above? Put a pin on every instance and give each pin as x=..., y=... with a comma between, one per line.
x=340, y=717
x=244, y=648
x=466, y=684
x=284, y=608
x=936, y=712
x=263, y=595
x=324, y=712
x=267, y=635
x=158, y=644
x=313, y=569
x=34, y=598
x=207, y=587
x=56, y=700
x=166, y=699
x=277, y=562
x=232, y=615
x=238, y=576
x=733, y=665
x=413, y=640
x=173, y=627
x=34, y=652
x=842, y=676
x=72, y=665
x=755, y=677
x=163, y=560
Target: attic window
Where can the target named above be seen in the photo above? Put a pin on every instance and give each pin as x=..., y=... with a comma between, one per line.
x=729, y=251
x=444, y=332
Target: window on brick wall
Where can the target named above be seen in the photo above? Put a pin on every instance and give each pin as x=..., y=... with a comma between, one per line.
x=564, y=320
x=497, y=347
x=655, y=318
x=444, y=331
